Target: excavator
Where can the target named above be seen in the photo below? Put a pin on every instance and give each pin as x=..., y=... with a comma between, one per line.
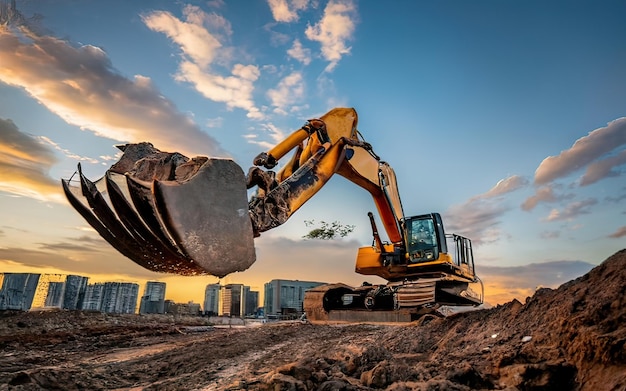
x=192, y=216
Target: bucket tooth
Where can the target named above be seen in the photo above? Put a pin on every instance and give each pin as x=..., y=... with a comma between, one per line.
x=170, y=259
x=207, y=215
x=88, y=215
x=143, y=200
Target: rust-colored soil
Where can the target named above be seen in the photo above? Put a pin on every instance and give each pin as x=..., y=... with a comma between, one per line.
x=570, y=338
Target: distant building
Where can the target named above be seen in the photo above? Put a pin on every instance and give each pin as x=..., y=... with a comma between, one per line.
x=93, y=297
x=189, y=308
x=54, y=298
x=74, y=292
x=232, y=304
x=153, y=299
x=120, y=297
x=212, y=299
x=285, y=297
x=250, y=301
x=68, y=294
x=18, y=291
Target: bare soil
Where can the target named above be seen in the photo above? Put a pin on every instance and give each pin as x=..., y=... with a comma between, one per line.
x=570, y=338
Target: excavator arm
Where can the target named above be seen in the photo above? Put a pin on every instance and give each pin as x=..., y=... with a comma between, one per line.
x=321, y=148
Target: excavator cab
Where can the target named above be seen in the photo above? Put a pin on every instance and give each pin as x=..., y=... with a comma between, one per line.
x=430, y=250
x=423, y=234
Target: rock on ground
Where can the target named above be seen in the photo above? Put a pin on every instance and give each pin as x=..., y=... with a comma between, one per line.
x=570, y=338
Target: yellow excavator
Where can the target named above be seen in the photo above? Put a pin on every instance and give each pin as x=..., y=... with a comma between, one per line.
x=172, y=214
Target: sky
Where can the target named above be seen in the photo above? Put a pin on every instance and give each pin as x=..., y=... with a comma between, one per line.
x=507, y=117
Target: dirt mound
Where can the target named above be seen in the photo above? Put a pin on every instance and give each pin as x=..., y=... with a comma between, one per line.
x=570, y=338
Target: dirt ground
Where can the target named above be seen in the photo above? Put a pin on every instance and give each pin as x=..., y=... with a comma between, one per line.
x=570, y=338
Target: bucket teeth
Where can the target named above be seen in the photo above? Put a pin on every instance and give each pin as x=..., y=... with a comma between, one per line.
x=195, y=224
x=133, y=222
x=143, y=200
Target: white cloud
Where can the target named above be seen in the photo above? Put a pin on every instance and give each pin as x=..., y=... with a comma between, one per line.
x=299, y=52
x=290, y=90
x=199, y=39
x=24, y=164
x=477, y=219
x=80, y=85
x=333, y=31
x=619, y=233
x=603, y=168
x=506, y=185
x=195, y=41
x=275, y=134
x=585, y=150
x=286, y=10
x=72, y=155
x=572, y=210
x=544, y=194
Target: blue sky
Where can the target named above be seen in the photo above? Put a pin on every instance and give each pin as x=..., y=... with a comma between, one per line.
x=506, y=117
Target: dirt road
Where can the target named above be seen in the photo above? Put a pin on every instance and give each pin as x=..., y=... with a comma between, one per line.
x=570, y=338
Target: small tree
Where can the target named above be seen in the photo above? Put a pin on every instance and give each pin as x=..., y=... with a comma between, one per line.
x=327, y=231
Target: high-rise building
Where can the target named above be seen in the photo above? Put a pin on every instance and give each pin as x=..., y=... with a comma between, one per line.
x=250, y=301
x=74, y=293
x=93, y=297
x=231, y=299
x=153, y=299
x=284, y=297
x=212, y=299
x=54, y=298
x=18, y=291
x=120, y=297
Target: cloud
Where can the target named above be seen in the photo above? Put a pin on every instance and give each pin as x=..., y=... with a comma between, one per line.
x=585, y=150
x=621, y=232
x=544, y=194
x=289, y=91
x=24, y=164
x=506, y=185
x=615, y=199
x=603, y=168
x=572, y=210
x=299, y=52
x=195, y=41
x=502, y=284
x=80, y=85
x=274, y=132
x=75, y=156
x=200, y=38
x=286, y=10
x=333, y=31
x=71, y=260
x=478, y=219
x=83, y=243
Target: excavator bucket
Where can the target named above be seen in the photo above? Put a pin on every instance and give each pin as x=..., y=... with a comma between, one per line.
x=169, y=213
